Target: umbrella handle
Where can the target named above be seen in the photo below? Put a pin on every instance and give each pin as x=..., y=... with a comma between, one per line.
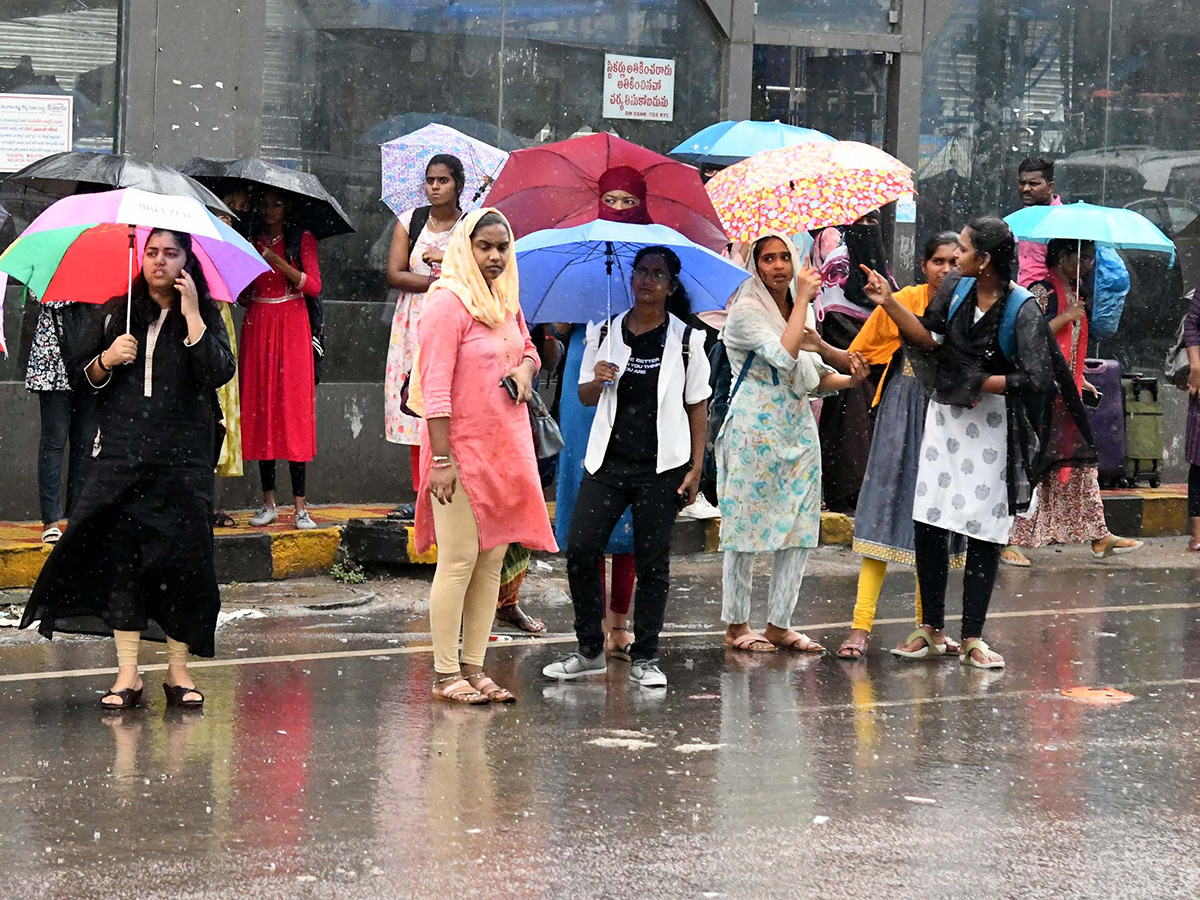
x=129, y=288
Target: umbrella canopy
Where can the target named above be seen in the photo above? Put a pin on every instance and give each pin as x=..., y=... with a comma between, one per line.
x=81, y=249
x=581, y=274
x=555, y=186
x=407, y=123
x=310, y=206
x=404, y=161
x=1105, y=225
x=806, y=186
x=63, y=174
x=726, y=143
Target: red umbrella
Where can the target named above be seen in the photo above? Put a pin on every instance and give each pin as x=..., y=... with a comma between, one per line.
x=555, y=186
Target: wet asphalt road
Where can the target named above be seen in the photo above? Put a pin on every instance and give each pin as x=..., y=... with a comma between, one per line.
x=756, y=776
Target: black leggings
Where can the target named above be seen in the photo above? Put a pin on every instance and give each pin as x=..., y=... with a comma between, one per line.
x=266, y=472
x=1194, y=491
x=933, y=569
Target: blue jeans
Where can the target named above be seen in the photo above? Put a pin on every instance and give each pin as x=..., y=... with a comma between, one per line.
x=66, y=415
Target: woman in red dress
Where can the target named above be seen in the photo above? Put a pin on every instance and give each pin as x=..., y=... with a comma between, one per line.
x=279, y=414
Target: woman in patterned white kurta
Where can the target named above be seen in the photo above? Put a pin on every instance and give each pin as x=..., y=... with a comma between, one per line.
x=768, y=452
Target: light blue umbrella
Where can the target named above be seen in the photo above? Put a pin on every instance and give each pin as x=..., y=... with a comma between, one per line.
x=1123, y=229
x=581, y=274
x=726, y=143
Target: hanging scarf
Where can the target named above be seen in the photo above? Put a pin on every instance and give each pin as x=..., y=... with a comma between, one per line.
x=838, y=253
x=462, y=277
x=755, y=319
x=1072, y=339
x=630, y=180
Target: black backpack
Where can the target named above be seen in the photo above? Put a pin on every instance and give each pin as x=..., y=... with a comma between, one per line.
x=420, y=218
x=686, y=349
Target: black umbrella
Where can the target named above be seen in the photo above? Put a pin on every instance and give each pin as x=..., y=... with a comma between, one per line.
x=310, y=206
x=67, y=173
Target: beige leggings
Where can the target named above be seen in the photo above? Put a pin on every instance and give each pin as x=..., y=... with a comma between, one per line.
x=465, y=586
x=128, y=643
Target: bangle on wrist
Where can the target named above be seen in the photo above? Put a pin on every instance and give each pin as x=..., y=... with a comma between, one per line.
x=100, y=360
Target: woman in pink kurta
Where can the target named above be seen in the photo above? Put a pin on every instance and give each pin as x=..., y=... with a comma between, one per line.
x=479, y=488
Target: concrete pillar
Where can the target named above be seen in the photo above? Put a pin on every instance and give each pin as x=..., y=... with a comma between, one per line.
x=193, y=79
x=739, y=69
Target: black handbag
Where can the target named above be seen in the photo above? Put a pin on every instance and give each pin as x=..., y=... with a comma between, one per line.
x=547, y=438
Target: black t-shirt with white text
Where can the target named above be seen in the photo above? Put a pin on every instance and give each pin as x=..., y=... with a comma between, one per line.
x=635, y=426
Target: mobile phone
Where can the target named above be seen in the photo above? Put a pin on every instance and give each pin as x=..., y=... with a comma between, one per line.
x=510, y=385
x=1092, y=400
x=681, y=502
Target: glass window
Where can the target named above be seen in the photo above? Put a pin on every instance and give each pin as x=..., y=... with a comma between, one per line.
x=1004, y=81
x=65, y=48
x=340, y=76
x=840, y=92
x=860, y=16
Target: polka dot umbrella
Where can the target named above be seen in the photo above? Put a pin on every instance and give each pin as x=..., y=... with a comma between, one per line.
x=806, y=186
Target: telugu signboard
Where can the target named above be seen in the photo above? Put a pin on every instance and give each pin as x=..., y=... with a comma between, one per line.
x=638, y=87
x=33, y=126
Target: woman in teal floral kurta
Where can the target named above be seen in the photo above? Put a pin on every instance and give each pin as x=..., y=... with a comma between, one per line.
x=768, y=452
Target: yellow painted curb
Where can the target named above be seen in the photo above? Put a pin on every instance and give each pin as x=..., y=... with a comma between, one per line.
x=295, y=553
x=837, y=529
x=20, y=564
x=428, y=558
x=1163, y=515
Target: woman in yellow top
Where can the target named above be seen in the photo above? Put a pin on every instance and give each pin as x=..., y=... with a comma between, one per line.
x=883, y=524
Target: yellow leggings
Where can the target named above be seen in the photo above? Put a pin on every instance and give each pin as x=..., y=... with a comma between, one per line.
x=465, y=586
x=870, y=583
x=128, y=643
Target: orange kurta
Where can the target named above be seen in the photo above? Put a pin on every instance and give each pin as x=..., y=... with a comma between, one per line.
x=879, y=338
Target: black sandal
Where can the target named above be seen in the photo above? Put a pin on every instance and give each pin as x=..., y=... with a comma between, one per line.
x=129, y=699
x=618, y=651
x=517, y=618
x=222, y=519
x=175, y=694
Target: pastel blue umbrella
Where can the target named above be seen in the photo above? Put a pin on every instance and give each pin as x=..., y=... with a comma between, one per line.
x=1123, y=229
x=726, y=143
x=581, y=274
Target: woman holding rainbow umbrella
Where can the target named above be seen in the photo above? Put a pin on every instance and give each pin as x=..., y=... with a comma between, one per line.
x=137, y=557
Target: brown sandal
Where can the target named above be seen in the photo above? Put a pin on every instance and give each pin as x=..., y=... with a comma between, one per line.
x=615, y=650
x=455, y=694
x=517, y=618
x=490, y=689
x=801, y=643
x=746, y=641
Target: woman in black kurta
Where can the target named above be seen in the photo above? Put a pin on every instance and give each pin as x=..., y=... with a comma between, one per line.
x=137, y=557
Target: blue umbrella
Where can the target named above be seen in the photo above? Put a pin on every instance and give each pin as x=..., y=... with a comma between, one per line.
x=726, y=143
x=581, y=274
x=1104, y=225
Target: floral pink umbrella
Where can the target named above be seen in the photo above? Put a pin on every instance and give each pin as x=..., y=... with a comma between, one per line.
x=806, y=186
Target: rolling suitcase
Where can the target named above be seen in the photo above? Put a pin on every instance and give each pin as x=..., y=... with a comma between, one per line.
x=1143, y=430
x=1108, y=419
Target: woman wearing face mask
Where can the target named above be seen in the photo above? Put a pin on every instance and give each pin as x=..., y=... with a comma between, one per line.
x=768, y=453
x=480, y=488
x=1004, y=414
x=883, y=524
x=138, y=557
x=644, y=450
x=842, y=308
x=1069, y=509
x=622, y=198
x=279, y=400
x=419, y=243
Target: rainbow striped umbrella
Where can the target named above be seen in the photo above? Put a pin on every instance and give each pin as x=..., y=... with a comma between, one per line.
x=806, y=186
x=82, y=248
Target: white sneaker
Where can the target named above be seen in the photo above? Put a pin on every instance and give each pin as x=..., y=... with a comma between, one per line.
x=264, y=515
x=305, y=522
x=701, y=509
x=647, y=673
x=576, y=666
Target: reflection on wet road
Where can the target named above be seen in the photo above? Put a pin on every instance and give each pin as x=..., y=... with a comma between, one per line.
x=764, y=775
